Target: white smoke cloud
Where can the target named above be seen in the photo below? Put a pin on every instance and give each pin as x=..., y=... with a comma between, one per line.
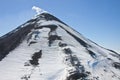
x=38, y=10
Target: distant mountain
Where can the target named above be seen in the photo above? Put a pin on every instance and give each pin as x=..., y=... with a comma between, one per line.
x=45, y=48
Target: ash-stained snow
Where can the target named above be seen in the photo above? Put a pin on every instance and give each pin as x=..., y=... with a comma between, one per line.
x=54, y=51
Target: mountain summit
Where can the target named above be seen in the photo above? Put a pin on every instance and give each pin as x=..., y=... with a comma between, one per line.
x=45, y=48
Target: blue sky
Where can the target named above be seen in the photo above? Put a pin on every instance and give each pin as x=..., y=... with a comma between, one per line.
x=98, y=20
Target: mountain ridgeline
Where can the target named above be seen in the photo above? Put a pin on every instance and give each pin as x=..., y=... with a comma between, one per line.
x=45, y=48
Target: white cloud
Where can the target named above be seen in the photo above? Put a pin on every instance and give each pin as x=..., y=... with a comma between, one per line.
x=38, y=10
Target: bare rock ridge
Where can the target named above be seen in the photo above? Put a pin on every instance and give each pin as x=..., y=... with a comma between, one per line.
x=45, y=48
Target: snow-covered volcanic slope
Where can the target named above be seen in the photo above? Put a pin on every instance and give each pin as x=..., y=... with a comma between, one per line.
x=45, y=48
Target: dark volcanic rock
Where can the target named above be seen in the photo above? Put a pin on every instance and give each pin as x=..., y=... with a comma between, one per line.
x=92, y=54
x=116, y=65
x=52, y=38
x=12, y=40
x=67, y=51
x=62, y=44
x=35, y=58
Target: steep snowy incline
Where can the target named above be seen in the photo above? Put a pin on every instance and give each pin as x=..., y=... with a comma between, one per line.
x=45, y=48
